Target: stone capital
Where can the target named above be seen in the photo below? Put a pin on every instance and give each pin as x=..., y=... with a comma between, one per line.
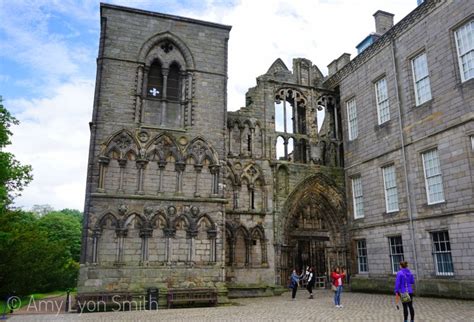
x=104, y=160
x=122, y=162
x=191, y=233
x=161, y=164
x=141, y=163
x=211, y=233
x=180, y=166
x=214, y=168
x=169, y=232
x=121, y=232
x=146, y=232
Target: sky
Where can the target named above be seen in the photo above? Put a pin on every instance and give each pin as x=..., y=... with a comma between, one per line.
x=48, y=52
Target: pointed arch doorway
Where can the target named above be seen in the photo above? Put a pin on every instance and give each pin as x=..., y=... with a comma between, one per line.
x=312, y=228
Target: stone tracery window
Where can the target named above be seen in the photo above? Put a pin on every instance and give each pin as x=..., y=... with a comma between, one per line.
x=164, y=84
x=290, y=111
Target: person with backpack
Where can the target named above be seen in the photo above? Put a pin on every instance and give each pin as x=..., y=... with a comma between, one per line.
x=337, y=278
x=311, y=281
x=404, y=289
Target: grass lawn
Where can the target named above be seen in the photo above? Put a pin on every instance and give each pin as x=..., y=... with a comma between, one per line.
x=26, y=299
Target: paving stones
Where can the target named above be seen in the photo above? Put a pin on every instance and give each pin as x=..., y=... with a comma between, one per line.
x=357, y=307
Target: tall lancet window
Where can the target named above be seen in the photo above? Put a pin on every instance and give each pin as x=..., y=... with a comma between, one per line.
x=155, y=81
x=172, y=90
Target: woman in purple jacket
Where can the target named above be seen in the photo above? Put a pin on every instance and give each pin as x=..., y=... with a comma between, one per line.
x=403, y=284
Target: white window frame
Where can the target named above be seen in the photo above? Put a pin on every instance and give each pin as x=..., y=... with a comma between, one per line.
x=468, y=52
x=352, y=126
x=390, y=187
x=381, y=98
x=439, y=254
x=357, y=197
x=429, y=178
x=362, y=254
x=396, y=256
x=420, y=79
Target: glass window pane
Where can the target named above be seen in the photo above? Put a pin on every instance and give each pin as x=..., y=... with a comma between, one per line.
x=352, y=119
x=465, y=47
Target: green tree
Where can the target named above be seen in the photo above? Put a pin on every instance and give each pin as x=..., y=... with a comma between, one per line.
x=63, y=228
x=13, y=175
x=74, y=213
x=30, y=261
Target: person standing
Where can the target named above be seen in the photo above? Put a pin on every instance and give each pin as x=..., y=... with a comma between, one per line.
x=311, y=281
x=294, y=280
x=337, y=278
x=404, y=289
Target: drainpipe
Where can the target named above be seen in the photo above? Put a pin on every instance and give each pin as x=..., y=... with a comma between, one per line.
x=404, y=162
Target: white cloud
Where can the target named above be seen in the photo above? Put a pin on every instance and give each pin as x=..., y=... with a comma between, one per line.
x=53, y=137
x=264, y=30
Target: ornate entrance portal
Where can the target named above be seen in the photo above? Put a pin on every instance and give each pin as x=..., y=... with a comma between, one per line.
x=312, y=228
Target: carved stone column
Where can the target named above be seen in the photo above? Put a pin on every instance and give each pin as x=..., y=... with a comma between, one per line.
x=164, y=72
x=215, y=169
x=122, y=164
x=248, y=243
x=263, y=245
x=235, y=204
x=103, y=162
x=169, y=233
x=161, y=167
x=241, y=132
x=145, y=234
x=230, y=130
x=212, y=234
x=141, y=164
x=121, y=234
x=191, y=235
x=138, y=96
x=232, y=251
x=251, y=191
x=252, y=140
x=95, y=241
x=180, y=166
x=189, y=94
x=198, y=169
x=182, y=100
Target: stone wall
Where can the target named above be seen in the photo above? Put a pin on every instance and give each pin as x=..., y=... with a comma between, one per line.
x=444, y=122
x=154, y=214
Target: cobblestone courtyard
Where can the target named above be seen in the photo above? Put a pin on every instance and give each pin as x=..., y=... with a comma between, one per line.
x=357, y=307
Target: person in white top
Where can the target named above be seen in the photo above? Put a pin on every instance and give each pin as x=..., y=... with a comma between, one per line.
x=311, y=281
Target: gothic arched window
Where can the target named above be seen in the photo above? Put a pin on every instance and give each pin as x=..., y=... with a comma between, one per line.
x=155, y=80
x=172, y=88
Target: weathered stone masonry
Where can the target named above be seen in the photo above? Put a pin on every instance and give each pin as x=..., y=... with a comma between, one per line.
x=182, y=193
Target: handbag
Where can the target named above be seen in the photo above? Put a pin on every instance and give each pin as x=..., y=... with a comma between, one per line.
x=405, y=296
x=333, y=288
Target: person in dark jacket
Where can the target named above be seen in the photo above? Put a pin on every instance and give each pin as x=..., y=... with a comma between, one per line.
x=403, y=284
x=311, y=282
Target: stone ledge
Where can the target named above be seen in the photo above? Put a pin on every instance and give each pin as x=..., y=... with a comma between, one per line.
x=253, y=290
x=153, y=197
x=445, y=288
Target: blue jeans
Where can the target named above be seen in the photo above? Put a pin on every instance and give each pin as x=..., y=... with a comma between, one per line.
x=337, y=295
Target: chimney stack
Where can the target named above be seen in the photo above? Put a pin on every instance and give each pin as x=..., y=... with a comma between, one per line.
x=383, y=21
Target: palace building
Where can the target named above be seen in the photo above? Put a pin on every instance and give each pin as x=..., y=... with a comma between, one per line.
x=182, y=193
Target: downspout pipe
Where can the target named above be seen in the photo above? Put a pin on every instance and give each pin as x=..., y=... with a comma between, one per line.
x=404, y=161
